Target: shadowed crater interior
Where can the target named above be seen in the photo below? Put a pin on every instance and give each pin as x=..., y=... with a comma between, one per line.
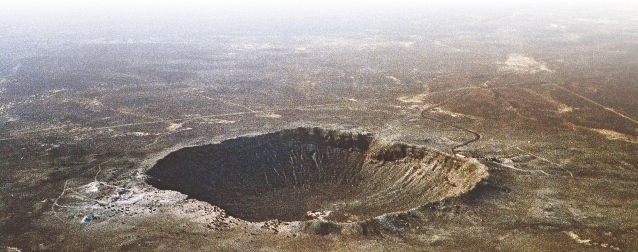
x=303, y=173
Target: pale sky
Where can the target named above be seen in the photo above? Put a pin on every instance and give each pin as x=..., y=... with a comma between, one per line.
x=40, y=16
x=64, y=7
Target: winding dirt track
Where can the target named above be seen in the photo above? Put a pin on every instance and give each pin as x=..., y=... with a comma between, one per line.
x=476, y=135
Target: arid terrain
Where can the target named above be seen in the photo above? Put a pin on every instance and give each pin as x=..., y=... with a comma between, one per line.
x=450, y=129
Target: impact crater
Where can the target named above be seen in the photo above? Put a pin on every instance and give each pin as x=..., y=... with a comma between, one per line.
x=305, y=173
